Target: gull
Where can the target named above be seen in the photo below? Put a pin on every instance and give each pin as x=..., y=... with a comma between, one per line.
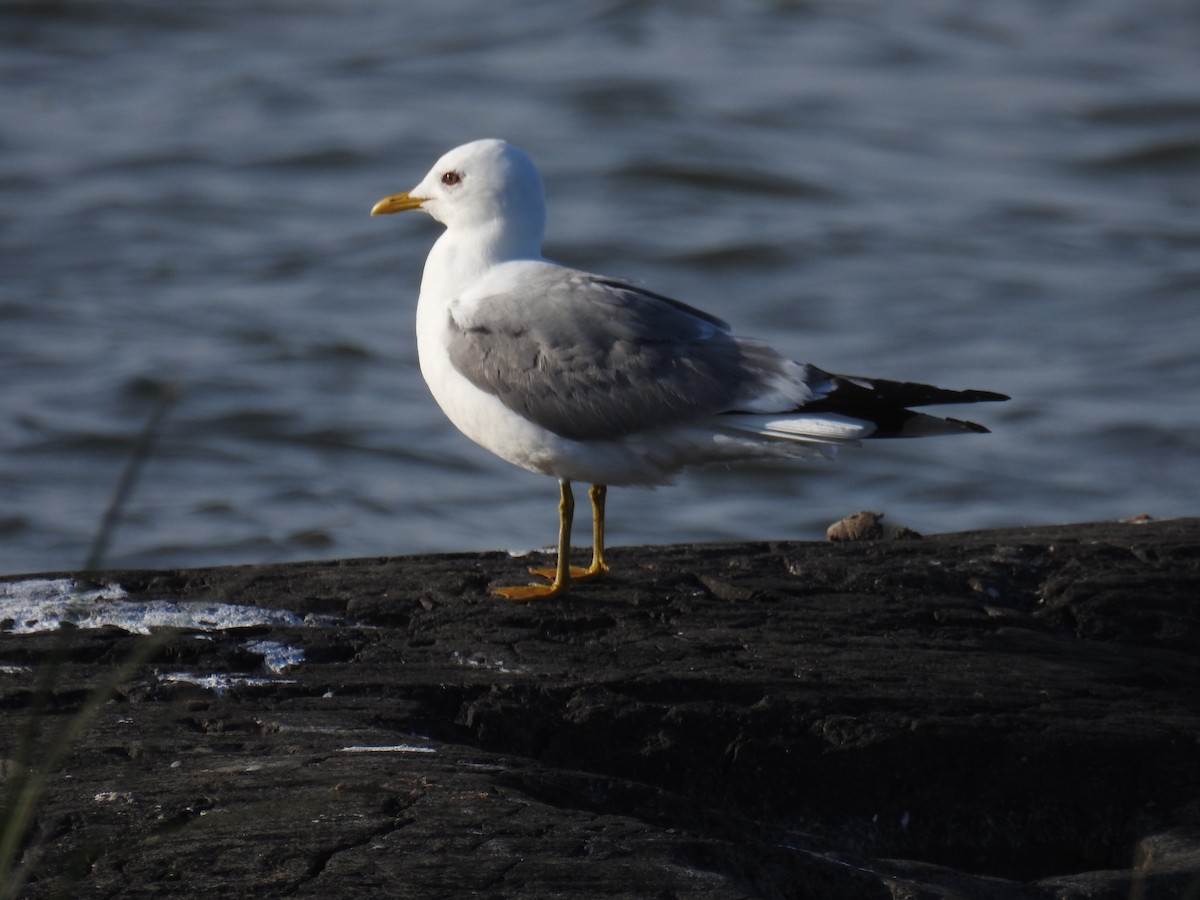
x=583, y=377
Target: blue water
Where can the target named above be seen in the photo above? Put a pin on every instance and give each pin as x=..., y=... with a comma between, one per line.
x=992, y=195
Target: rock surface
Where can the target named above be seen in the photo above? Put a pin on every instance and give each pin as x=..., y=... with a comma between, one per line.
x=1000, y=714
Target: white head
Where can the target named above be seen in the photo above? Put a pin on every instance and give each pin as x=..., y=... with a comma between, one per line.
x=487, y=184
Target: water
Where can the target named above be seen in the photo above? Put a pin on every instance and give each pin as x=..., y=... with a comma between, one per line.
x=999, y=195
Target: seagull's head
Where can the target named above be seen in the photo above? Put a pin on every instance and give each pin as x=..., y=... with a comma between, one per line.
x=487, y=183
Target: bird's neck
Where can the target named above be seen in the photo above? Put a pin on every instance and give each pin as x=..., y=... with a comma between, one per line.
x=461, y=256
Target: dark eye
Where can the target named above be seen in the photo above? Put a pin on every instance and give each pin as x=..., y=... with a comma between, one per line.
x=451, y=178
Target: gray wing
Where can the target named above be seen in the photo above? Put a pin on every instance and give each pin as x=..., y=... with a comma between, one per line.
x=590, y=358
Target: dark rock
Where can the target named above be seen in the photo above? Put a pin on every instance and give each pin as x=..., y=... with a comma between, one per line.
x=1001, y=714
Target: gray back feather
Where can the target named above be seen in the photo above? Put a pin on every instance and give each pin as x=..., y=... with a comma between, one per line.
x=589, y=358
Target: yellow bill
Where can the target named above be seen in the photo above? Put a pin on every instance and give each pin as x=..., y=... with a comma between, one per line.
x=397, y=203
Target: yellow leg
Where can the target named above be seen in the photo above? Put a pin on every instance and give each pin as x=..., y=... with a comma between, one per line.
x=596, y=493
x=562, y=573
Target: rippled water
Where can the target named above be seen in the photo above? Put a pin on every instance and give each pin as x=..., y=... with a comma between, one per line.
x=995, y=195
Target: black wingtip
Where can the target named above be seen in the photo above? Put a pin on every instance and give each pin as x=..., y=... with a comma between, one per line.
x=853, y=393
x=985, y=396
x=973, y=426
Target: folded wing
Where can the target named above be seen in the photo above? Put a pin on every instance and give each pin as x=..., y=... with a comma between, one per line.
x=590, y=358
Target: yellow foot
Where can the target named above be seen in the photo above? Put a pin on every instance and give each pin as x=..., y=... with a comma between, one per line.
x=525, y=592
x=591, y=573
